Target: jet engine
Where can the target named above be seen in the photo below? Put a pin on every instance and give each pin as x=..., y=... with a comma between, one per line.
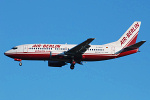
x=56, y=63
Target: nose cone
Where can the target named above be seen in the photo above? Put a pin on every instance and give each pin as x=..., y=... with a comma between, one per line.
x=7, y=53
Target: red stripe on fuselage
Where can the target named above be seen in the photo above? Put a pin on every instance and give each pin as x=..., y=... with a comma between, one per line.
x=85, y=57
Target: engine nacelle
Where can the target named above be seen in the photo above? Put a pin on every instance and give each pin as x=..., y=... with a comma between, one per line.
x=56, y=63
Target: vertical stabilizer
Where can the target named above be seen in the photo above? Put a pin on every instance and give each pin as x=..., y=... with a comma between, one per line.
x=130, y=36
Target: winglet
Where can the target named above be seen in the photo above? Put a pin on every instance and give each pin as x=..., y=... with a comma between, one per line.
x=91, y=39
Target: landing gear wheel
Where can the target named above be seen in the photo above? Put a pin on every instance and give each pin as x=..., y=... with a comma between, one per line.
x=20, y=64
x=72, y=66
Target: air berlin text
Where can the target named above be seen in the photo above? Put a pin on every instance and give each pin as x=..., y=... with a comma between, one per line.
x=129, y=33
x=46, y=46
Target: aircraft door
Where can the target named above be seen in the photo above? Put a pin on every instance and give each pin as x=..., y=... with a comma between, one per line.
x=25, y=48
x=113, y=50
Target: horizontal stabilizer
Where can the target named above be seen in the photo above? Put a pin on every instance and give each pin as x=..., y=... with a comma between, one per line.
x=131, y=47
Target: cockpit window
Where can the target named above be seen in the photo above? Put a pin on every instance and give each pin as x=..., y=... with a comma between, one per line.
x=14, y=48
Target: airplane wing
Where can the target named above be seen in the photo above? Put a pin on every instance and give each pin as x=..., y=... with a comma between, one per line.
x=132, y=47
x=76, y=51
x=79, y=49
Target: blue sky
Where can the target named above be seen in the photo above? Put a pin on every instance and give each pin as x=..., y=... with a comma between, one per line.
x=73, y=21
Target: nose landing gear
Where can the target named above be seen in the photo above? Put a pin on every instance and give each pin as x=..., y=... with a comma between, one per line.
x=16, y=59
x=20, y=64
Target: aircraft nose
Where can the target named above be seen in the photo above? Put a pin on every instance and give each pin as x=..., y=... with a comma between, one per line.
x=6, y=53
x=9, y=53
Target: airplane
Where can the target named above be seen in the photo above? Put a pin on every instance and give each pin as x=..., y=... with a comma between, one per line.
x=59, y=55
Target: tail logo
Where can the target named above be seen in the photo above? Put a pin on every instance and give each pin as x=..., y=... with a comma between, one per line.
x=129, y=33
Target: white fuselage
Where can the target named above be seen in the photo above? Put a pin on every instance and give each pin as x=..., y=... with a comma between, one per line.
x=44, y=51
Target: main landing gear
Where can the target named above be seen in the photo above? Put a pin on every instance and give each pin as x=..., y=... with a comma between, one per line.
x=72, y=65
